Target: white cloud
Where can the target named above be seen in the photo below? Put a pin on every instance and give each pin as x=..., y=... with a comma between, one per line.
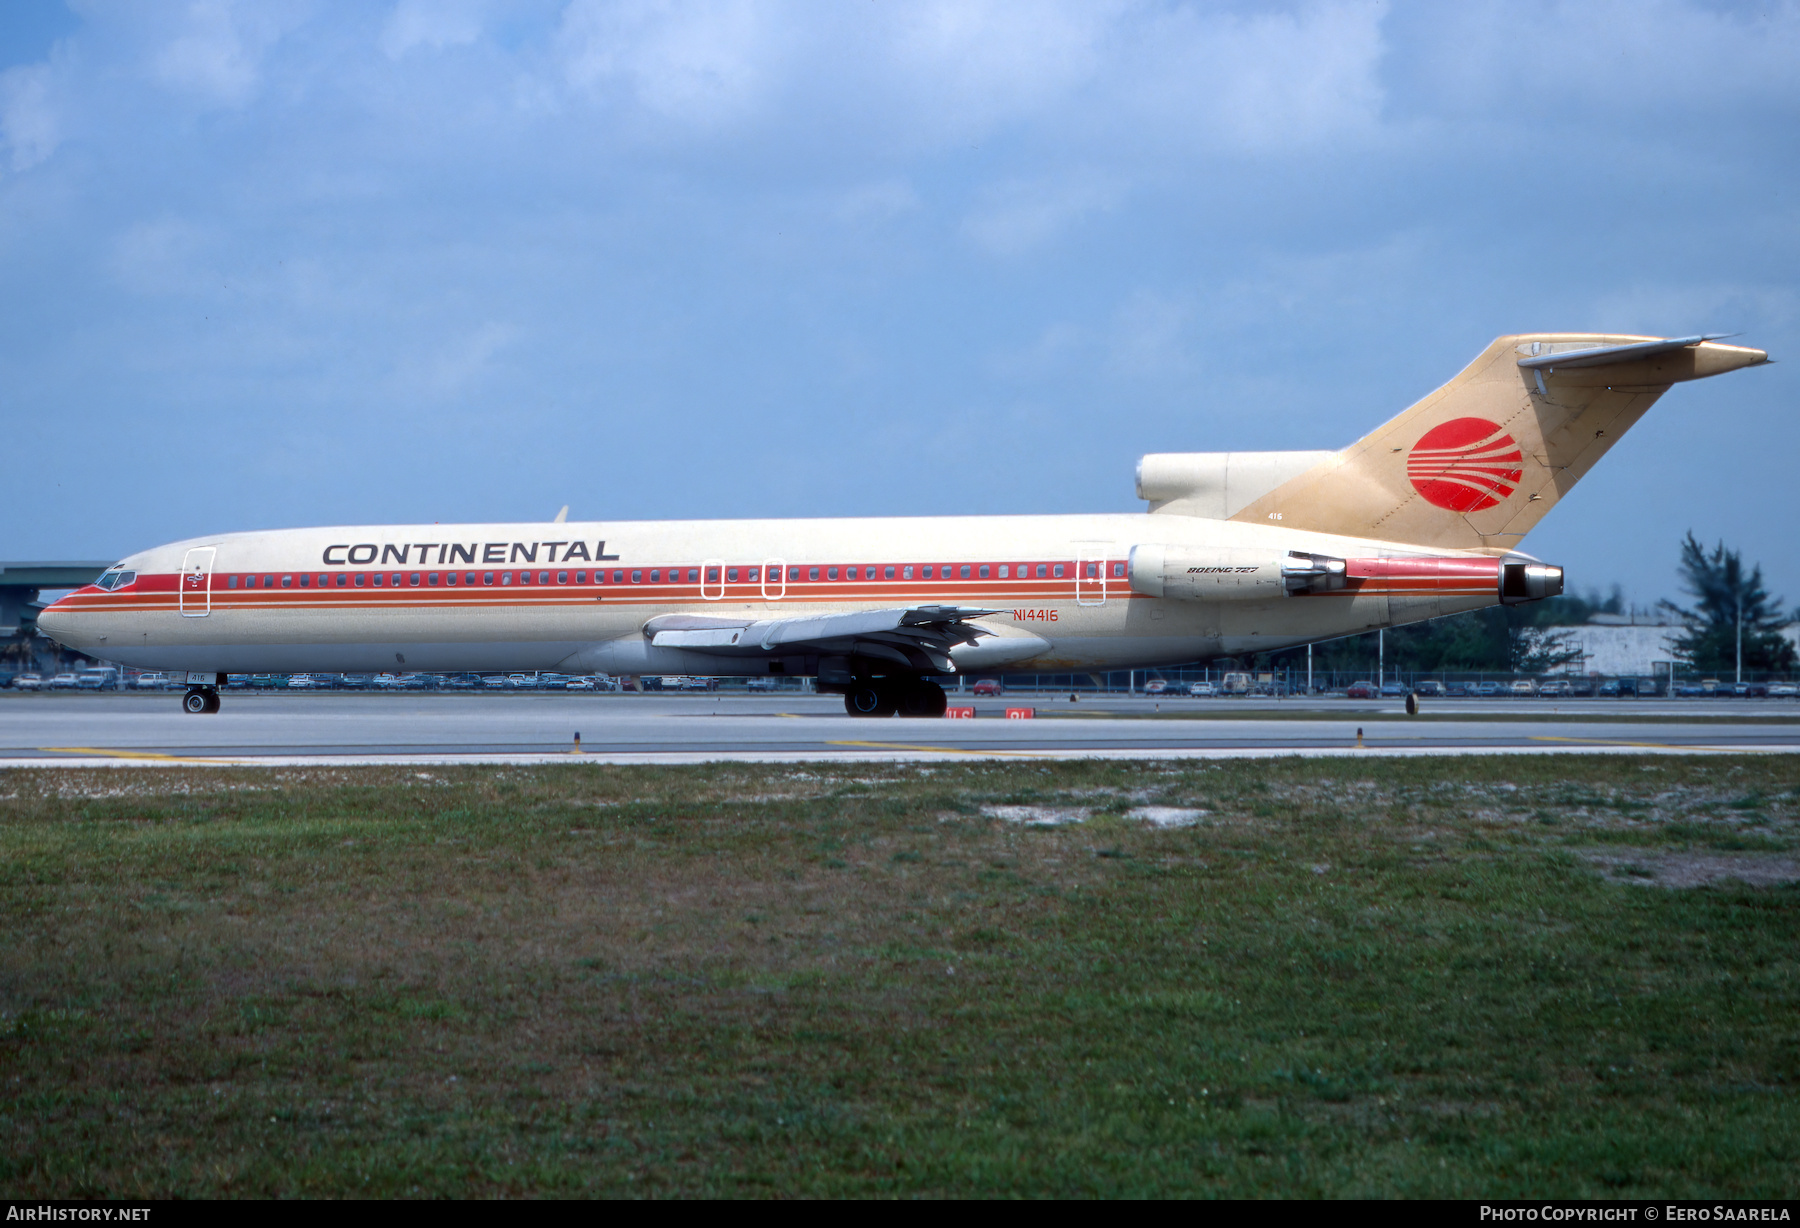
x=877, y=202
x=161, y=256
x=455, y=365
x=709, y=63
x=431, y=24
x=28, y=122
x=1149, y=336
x=1015, y=216
x=218, y=50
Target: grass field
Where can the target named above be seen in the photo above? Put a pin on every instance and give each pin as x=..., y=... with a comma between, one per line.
x=1458, y=977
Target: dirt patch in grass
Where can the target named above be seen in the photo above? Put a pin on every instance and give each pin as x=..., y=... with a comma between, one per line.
x=1688, y=869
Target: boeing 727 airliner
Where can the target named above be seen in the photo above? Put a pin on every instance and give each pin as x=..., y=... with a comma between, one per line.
x=1238, y=553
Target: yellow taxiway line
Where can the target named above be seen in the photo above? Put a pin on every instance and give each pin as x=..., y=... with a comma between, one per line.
x=941, y=750
x=103, y=753
x=1615, y=742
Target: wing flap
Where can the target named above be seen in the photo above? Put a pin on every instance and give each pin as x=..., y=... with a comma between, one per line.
x=888, y=634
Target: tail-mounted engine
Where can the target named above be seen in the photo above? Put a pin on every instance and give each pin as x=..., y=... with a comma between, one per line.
x=1237, y=573
x=1231, y=573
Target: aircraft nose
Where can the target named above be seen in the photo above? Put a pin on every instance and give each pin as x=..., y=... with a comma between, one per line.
x=53, y=622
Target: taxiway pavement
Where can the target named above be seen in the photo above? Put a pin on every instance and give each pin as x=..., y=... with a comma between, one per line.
x=335, y=728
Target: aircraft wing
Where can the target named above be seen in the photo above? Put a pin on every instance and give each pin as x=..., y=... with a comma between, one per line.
x=917, y=637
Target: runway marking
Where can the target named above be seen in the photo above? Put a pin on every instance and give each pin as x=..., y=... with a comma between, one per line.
x=127, y=754
x=1543, y=737
x=942, y=750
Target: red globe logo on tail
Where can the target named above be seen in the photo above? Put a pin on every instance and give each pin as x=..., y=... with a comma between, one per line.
x=1465, y=465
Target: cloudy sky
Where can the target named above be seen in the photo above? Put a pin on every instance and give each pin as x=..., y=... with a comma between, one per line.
x=300, y=262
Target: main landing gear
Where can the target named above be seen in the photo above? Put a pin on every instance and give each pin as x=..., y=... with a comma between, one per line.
x=887, y=696
x=200, y=699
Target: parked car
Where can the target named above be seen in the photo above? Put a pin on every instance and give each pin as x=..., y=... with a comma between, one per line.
x=28, y=682
x=1552, y=688
x=495, y=682
x=985, y=686
x=1579, y=688
x=1523, y=687
x=1485, y=690
x=760, y=684
x=64, y=681
x=301, y=682
x=1777, y=690
x=100, y=678
x=1609, y=689
x=1156, y=686
x=1203, y=690
x=1361, y=690
x=1393, y=690
x=1235, y=684
x=1428, y=686
x=1457, y=690
x=150, y=681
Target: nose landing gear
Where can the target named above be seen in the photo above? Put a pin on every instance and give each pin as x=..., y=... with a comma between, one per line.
x=200, y=699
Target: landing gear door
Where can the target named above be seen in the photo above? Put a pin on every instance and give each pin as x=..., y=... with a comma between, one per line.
x=1090, y=572
x=196, y=581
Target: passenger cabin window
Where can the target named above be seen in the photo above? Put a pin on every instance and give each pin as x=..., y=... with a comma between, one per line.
x=618, y=577
x=432, y=579
x=562, y=577
x=1057, y=571
x=487, y=577
x=984, y=571
x=359, y=579
x=888, y=573
x=793, y=573
x=637, y=577
x=926, y=571
x=1040, y=571
x=751, y=574
x=379, y=578
x=812, y=573
x=413, y=580
x=693, y=575
x=524, y=577
x=965, y=571
x=543, y=577
x=506, y=577
x=1118, y=569
x=230, y=581
x=906, y=573
x=1004, y=572
x=731, y=574
x=581, y=577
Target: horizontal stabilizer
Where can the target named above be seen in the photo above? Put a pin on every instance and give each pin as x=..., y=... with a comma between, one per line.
x=1612, y=355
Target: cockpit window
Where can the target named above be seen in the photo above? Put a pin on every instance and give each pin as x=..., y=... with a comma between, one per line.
x=115, y=578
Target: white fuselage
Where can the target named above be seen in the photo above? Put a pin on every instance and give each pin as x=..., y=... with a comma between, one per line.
x=576, y=597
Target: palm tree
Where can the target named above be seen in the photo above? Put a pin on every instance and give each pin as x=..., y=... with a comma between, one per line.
x=1734, y=622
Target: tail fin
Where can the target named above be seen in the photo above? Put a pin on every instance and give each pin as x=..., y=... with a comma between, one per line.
x=1478, y=462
